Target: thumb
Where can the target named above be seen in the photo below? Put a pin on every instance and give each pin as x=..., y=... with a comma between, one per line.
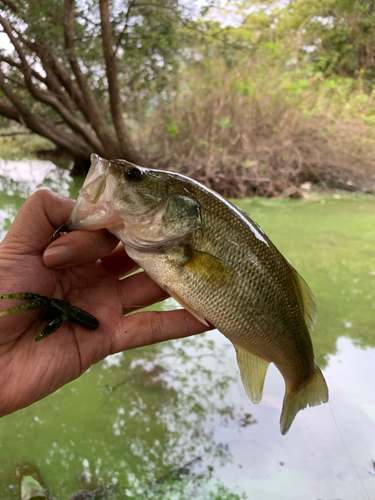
x=36, y=221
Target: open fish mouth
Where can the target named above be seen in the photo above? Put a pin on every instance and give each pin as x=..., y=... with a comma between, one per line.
x=94, y=208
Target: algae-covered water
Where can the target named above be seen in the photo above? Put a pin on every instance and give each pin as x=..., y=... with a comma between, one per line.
x=172, y=421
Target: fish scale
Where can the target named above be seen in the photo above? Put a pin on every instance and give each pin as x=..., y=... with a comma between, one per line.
x=218, y=263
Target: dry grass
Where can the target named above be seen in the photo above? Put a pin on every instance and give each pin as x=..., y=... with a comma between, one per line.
x=256, y=130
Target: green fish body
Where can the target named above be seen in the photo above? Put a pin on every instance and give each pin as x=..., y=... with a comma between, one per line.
x=216, y=262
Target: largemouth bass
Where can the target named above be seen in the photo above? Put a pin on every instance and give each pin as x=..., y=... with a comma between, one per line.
x=217, y=263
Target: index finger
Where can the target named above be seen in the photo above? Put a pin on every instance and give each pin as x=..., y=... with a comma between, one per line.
x=79, y=247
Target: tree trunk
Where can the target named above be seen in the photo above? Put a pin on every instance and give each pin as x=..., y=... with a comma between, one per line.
x=94, y=114
x=113, y=86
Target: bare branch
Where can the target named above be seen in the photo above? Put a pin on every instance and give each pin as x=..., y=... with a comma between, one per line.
x=57, y=75
x=12, y=134
x=216, y=36
x=58, y=80
x=53, y=67
x=85, y=18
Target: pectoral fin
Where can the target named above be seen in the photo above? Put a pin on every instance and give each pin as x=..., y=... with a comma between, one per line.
x=207, y=267
x=253, y=371
x=186, y=306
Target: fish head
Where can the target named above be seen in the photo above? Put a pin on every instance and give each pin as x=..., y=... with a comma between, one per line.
x=144, y=208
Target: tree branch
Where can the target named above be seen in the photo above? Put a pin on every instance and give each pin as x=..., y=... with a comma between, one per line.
x=68, y=142
x=12, y=134
x=46, y=96
x=59, y=76
x=124, y=31
x=155, y=5
x=9, y=111
x=62, y=84
x=53, y=67
x=15, y=64
x=10, y=4
x=17, y=83
x=216, y=37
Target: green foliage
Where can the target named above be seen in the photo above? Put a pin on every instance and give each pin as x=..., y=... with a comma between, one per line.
x=149, y=42
x=173, y=129
x=337, y=36
x=18, y=147
x=224, y=122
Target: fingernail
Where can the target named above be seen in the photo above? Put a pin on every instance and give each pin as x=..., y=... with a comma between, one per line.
x=57, y=256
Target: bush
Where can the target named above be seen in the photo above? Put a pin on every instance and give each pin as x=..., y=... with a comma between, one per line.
x=258, y=128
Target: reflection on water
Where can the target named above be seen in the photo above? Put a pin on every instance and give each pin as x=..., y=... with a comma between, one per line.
x=22, y=178
x=172, y=421
x=19, y=179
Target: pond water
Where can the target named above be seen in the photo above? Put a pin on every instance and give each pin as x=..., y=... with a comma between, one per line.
x=172, y=421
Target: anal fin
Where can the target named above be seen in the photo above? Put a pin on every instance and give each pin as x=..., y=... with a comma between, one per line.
x=253, y=371
x=186, y=306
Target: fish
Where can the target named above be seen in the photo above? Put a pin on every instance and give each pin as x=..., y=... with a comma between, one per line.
x=216, y=262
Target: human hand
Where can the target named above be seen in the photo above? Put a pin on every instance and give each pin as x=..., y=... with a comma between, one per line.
x=69, y=269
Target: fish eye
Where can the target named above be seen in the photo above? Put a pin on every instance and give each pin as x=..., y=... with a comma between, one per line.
x=133, y=174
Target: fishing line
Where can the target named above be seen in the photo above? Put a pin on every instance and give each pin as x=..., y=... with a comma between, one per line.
x=56, y=235
x=54, y=277
x=347, y=452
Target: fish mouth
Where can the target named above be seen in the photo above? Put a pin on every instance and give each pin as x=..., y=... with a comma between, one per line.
x=94, y=207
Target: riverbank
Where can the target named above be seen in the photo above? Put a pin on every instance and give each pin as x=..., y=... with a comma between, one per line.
x=264, y=173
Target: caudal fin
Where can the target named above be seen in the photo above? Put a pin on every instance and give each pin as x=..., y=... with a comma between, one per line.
x=314, y=393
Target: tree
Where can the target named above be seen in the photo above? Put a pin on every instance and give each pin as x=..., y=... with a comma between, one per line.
x=337, y=36
x=70, y=65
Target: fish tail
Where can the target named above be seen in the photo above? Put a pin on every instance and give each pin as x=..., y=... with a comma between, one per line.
x=312, y=394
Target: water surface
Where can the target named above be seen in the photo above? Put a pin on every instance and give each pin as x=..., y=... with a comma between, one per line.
x=136, y=417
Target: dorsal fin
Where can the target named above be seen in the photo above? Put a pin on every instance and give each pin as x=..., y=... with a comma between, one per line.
x=309, y=310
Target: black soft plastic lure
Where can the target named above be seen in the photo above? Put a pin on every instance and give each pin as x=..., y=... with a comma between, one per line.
x=56, y=312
